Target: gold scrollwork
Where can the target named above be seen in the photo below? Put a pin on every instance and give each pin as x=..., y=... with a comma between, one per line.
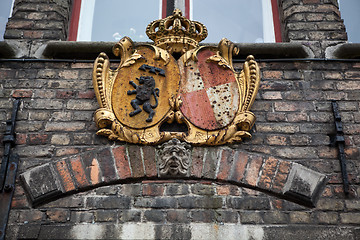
x=166, y=43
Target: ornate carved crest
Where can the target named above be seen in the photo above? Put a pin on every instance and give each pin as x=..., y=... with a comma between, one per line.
x=152, y=97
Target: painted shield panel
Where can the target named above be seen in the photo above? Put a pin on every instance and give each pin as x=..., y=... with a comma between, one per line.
x=209, y=92
x=141, y=91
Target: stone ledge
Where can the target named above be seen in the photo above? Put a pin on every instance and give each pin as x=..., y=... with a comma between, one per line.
x=343, y=51
x=6, y=51
x=90, y=50
x=125, y=164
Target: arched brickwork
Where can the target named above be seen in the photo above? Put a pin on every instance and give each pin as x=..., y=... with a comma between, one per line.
x=130, y=163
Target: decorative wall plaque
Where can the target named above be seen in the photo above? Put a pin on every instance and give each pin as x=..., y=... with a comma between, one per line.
x=175, y=88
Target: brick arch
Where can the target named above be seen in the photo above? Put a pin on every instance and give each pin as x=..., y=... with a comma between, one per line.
x=131, y=163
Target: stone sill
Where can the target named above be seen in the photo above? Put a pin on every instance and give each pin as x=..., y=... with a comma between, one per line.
x=6, y=51
x=344, y=51
x=90, y=50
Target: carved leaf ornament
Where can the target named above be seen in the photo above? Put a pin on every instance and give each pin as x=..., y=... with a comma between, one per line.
x=152, y=98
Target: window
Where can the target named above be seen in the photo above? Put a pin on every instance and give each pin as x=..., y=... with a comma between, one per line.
x=237, y=20
x=350, y=13
x=6, y=7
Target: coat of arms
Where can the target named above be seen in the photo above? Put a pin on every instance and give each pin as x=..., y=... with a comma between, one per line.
x=175, y=88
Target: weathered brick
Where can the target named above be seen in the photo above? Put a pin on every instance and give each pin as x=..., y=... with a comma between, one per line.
x=37, y=139
x=107, y=165
x=64, y=173
x=197, y=161
x=92, y=168
x=281, y=176
x=225, y=164
x=212, y=158
x=276, y=140
x=136, y=161
x=56, y=215
x=152, y=190
x=154, y=215
x=177, y=189
x=22, y=93
x=250, y=217
x=300, y=217
x=252, y=170
x=78, y=172
x=60, y=139
x=205, y=216
x=238, y=167
x=129, y=216
x=268, y=173
x=178, y=216
x=110, y=202
x=105, y=216
x=202, y=189
x=64, y=126
x=149, y=161
x=121, y=162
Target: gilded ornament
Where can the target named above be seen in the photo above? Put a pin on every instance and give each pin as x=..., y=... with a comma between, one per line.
x=175, y=89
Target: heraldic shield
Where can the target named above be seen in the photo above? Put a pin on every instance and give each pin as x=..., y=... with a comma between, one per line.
x=152, y=97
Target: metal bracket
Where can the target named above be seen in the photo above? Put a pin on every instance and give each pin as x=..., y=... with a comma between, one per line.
x=8, y=170
x=339, y=141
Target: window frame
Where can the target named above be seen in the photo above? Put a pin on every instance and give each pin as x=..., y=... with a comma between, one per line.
x=166, y=7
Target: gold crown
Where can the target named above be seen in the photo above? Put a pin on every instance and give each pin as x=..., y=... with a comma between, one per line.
x=176, y=33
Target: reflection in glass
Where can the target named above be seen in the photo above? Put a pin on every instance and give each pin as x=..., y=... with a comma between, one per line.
x=237, y=20
x=114, y=19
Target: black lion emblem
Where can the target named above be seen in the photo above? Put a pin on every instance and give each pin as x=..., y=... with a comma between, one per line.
x=143, y=92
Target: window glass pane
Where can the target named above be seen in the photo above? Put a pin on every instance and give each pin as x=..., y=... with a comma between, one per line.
x=5, y=10
x=350, y=13
x=114, y=19
x=237, y=20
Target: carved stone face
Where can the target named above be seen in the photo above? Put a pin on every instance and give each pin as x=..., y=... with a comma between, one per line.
x=174, y=158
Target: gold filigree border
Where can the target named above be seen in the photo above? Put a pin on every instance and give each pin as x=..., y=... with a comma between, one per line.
x=248, y=81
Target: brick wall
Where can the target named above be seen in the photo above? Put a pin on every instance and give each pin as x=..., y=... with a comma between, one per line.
x=85, y=195
x=294, y=121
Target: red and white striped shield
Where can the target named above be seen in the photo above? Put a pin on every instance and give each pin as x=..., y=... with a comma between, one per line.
x=209, y=92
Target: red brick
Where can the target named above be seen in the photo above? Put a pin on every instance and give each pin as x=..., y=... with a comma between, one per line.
x=276, y=140
x=281, y=176
x=64, y=151
x=136, y=162
x=252, y=170
x=65, y=94
x=272, y=74
x=223, y=190
x=197, y=161
x=153, y=190
x=33, y=34
x=58, y=215
x=92, y=169
x=22, y=94
x=20, y=138
x=107, y=165
x=38, y=139
x=210, y=164
x=90, y=94
x=20, y=202
x=238, y=169
x=121, y=162
x=268, y=173
x=149, y=161
x=226, y=162
x=78, y=172
x=65, y=176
